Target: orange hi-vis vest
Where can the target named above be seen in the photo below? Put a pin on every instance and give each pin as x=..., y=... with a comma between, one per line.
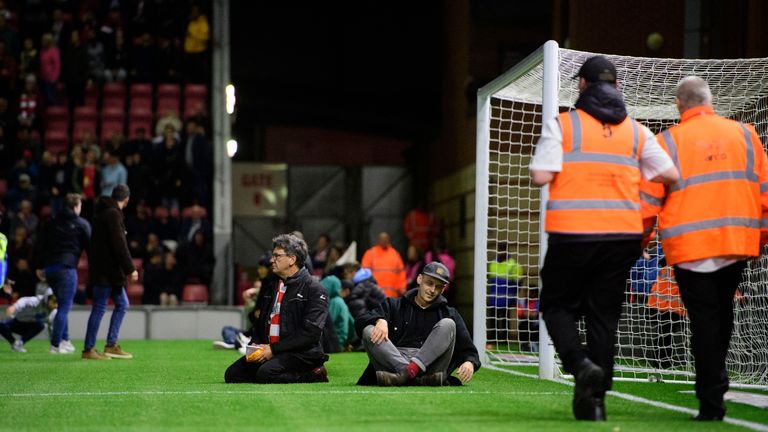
x=665, y=295
x=387, y=268
x=597, y=191
x=719, y=207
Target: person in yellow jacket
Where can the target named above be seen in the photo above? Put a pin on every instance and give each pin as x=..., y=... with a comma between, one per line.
x=710, y=222
x=196, y=45
x=592, y=158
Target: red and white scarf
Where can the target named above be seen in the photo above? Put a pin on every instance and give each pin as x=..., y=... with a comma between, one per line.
x=274, y=316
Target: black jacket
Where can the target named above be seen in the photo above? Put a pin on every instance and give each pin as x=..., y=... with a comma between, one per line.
x=398, y=312
x=64, y=239
x=303, y=313
x=604, y=102
x=364, y=297
x=109, y=260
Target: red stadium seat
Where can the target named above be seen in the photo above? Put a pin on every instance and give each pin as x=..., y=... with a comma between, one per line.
x=141, y=90
x=114, y=102
x=58, y=125
x=92, y=96
x=56, y=141
x=143, y=103
x=85, y=113
x=168, y=90
x=195, y=91
x=112, y=114
x=56, y=113
x=195, y=293
x=135, y=291
x=114, y=90
x=109, y=128
x=194, y=106
x=166, y=104
x=83, y=127
x=186, y=213
x=140, y=113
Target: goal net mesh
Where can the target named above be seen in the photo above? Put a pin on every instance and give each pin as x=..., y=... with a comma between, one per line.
x=652, y=343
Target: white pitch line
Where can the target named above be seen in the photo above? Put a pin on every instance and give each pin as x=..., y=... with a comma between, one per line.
x=734, y=421
x=272, y=392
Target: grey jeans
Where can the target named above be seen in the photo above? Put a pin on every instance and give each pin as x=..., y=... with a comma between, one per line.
x=434, y=356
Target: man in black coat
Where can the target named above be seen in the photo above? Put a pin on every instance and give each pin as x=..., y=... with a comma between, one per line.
x=418, y=339
x=110, y=264
x=57, y=254
x=287, y=334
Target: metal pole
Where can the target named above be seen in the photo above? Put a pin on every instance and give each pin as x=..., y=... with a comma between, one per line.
x=222, y=284
x=549, y=110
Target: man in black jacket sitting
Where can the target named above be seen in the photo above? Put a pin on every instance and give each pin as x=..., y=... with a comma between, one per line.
x=289, y=328
x=418, y=339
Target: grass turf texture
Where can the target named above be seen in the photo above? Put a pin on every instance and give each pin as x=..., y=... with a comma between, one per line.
x=178, y=385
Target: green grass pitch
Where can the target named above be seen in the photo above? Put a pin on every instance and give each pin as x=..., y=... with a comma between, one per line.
x=178, y=386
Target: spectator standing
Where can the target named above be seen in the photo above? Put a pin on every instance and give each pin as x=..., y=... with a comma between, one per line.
x=197, y=258
x=170, y=280
x=59, y=247
x=413, y=265
x=29, y=59
x=75, y=71
x=50, y=68
x=110, y=265
x=387, y=266
x=113, y=172
x=420, y=226
x=196, y=45
x=198, y=155
x=320, y=254
x=26, y=218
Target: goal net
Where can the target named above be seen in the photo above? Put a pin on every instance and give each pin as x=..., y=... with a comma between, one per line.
x=653, y=339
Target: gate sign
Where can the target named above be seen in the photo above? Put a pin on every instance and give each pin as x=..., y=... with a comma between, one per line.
x=259, y=189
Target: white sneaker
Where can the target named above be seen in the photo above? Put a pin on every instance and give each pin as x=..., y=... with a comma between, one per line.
x=243, y=350
x=18, y=346
x=55, y=350
x=66, y=347
x=242, y=339
x=222, y=345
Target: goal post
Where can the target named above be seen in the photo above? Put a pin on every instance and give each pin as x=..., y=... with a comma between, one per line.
x=510, y=242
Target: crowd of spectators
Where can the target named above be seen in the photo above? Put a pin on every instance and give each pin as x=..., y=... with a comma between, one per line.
x=59, y=55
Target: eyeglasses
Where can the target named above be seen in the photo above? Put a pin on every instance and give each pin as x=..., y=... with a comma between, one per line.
x=275, y=256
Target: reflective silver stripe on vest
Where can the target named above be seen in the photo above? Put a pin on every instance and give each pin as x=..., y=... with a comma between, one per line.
x=650, y=199
x=750, y=153
x=709, y=224
x=592, y=205
x=575, y=131
x=670, y=142
x=763, y=223
x=636, y=139
x=600, y=157
x=710, y=177
x=764, y=187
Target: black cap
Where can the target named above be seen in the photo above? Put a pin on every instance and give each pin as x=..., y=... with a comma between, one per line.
x=437, y=271
x=596, y=69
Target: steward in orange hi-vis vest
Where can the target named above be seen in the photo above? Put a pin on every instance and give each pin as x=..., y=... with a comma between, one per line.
x=593, y=158
x=718, y=207
x=710, y=222
x=597, y=190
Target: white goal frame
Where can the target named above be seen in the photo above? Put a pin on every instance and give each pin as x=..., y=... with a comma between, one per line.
x=549, y=97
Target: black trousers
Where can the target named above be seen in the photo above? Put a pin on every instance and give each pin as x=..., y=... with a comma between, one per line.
x=708, y=298
x=586, y=279
x=283, y=368
x=27, y=330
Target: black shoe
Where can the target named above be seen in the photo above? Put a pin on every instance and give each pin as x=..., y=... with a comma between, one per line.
x=430, y=380
x=707, y=417
x=316, y=375
x=390, y=379
x=589, y=379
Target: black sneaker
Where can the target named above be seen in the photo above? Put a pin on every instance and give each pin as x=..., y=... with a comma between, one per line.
x=707, y=417
x=430, y=380
x=390, y=379
x=589, y=379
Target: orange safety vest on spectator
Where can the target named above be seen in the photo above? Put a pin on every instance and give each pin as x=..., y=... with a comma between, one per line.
x=419, y=227
x=597, y=191
x=665, y=296
x=719, y=206
x=387, y=268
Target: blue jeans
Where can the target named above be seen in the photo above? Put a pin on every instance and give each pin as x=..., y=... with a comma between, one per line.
x=63, y=280
x=101, y=295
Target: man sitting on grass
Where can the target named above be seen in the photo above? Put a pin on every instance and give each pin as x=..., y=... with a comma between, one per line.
x=418, y=339
x=287, y=334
